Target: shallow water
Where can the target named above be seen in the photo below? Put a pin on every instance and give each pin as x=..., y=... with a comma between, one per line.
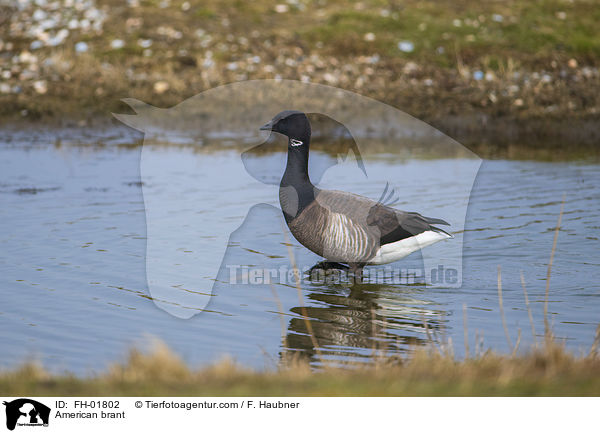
x=74, y=277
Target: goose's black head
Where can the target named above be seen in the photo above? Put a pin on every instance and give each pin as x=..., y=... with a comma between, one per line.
x=293, y=124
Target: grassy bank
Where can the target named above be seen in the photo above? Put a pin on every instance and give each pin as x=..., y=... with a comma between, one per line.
x=544, y=372
x=507, y=71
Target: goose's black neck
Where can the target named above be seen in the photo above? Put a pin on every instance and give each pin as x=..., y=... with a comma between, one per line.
x=296, y=177
x=296, y=171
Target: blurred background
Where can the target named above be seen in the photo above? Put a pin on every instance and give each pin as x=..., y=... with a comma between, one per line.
x=492, y=72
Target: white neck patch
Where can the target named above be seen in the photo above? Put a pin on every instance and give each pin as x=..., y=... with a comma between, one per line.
x=295, y=142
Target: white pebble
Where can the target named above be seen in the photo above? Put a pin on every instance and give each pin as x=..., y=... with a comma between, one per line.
x=27, y=57
x=117, y=44
x=145, y=43
x=39, y=15
x=92, y=14
x=81, y=47
x=59, y=38
x=161, y=87
x=330, y=78
x=40, y=86
x=406, y=46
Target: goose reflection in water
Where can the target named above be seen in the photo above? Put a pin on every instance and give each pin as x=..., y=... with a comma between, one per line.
x=352, y=323
x=348, y=320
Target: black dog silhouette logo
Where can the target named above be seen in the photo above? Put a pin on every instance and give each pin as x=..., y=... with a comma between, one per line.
x=26, y=412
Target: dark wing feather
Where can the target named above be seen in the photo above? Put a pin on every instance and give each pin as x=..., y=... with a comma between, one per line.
x=395, y=225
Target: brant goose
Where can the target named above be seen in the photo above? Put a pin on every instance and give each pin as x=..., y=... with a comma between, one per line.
x=342, y=227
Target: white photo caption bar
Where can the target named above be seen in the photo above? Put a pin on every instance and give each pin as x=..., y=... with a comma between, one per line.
x=296, y=414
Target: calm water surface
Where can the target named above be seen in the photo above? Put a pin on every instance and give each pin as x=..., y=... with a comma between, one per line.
x=74, y=290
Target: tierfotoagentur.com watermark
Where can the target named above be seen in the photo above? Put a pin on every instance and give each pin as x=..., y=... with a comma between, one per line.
x=250, y=275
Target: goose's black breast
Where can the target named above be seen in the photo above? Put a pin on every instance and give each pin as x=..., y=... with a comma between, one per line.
x=309, y=227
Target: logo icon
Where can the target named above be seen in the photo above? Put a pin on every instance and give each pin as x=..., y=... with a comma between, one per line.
x=26, y=412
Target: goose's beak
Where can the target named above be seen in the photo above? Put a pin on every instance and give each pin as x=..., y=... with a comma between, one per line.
x=267, y=126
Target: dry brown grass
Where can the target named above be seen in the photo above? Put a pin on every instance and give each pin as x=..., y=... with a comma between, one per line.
x=549, y=370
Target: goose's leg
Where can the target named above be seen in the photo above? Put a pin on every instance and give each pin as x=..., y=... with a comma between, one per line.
x=325, y=271
x=326, y=265
x=357, y=269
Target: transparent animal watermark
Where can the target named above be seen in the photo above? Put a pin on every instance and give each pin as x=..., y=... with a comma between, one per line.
x=204, y=207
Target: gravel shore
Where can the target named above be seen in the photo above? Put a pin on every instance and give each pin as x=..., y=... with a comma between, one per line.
x=511, y=73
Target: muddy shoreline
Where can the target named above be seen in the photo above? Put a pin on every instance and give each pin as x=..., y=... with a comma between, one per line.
x=540, y=139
